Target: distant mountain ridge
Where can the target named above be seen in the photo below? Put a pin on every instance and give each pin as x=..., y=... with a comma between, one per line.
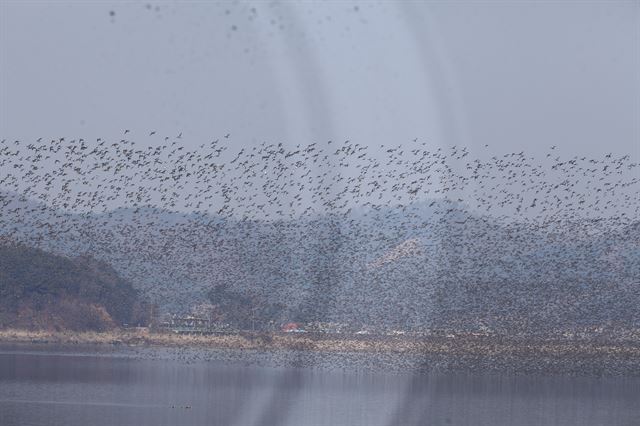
x=464, y=270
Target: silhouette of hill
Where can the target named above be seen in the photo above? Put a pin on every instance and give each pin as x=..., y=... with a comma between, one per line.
x=40, y=290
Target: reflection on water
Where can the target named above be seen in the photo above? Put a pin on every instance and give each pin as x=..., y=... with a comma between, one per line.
x=50, y=388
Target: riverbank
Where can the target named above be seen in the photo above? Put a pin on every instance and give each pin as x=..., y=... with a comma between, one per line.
x=467, y=353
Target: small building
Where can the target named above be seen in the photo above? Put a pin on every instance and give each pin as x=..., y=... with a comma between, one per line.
x=326, y=327
x=292, y=327
x=188, y=324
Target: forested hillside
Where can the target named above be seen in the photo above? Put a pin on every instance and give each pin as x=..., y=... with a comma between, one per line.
x=39, y=290
x=411, y=268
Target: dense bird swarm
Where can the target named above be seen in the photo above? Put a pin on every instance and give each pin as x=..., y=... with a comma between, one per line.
x=401, y=236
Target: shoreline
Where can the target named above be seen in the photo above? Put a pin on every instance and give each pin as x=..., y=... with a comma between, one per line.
x=494, y=354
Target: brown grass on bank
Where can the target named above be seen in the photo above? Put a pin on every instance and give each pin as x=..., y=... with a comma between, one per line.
x=468, y=345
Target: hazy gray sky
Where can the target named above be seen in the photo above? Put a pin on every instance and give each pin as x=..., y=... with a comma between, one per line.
x=512, y=74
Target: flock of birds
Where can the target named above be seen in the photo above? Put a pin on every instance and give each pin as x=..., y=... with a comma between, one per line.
x=340, y=228
x=271, y=180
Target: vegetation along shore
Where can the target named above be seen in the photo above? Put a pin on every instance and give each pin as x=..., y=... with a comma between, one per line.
x=461, y=352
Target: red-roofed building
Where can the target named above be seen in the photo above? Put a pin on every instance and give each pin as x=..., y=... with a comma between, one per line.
x=292, y=327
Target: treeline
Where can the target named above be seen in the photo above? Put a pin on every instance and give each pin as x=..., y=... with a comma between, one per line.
x=244, y=309
x=39, y=290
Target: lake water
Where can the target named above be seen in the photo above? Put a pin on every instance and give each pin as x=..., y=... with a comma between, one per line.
x=67, y=388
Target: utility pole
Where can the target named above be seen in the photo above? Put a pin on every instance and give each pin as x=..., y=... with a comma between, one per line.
x=253, y=319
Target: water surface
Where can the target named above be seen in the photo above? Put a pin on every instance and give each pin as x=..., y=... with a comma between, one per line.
x=68, y=388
